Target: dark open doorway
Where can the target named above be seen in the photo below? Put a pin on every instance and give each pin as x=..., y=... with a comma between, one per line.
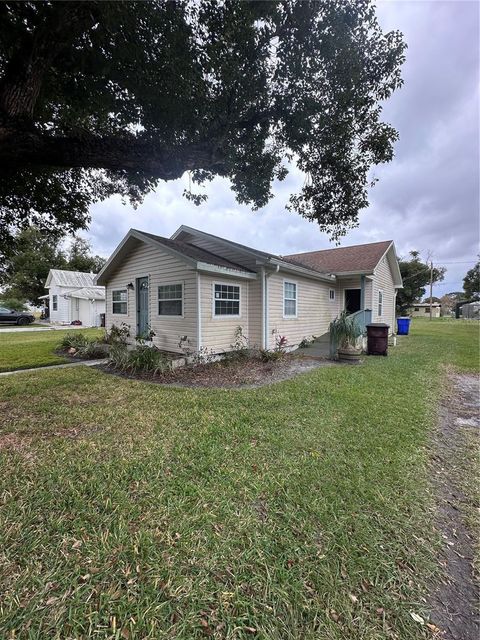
x=352, y=300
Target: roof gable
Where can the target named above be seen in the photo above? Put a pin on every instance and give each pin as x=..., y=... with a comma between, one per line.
x=188, y=253
x=65, y=278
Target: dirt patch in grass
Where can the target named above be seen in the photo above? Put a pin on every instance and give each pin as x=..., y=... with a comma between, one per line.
x=245, y=374
x=455, y=600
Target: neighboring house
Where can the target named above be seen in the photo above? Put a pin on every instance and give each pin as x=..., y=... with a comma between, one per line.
x=201, y=288
x=471, y=310
x=73, y=295
x=422, y=309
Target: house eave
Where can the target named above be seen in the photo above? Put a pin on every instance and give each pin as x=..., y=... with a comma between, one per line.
x=204, y=267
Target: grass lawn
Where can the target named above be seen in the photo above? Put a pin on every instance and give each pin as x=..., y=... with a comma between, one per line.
x=28, y=349
x=300, y=510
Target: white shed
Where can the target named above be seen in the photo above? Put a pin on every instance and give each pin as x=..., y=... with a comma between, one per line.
x=73, y=296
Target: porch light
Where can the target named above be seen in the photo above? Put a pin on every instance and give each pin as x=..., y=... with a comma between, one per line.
x=130, y=286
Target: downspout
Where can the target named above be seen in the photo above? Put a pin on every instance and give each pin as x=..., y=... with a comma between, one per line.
x=265, y=303
x=199, y=313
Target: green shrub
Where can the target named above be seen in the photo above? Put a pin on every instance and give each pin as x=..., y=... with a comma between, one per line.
x=117, y=334
x=75, y=340
x=271, y=355
x=91, y=349
x=141, y=359
x=13, y=303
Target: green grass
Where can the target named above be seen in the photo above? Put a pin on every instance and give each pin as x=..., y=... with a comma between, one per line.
x=301, y=510
x=25, y=349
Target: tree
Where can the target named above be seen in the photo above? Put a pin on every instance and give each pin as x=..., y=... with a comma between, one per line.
x=25, y=271
x=80, y=258
x=98, y=98
x=13, y=303
x=432, y=299
x=416, y=276
x=449, y=300
x=471, y=283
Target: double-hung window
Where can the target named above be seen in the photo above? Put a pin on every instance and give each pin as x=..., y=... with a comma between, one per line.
x=119, y=301
x=226, y=300
x=380, y=302
x=289, y=299
x=331, y=295
x=54, y=303
x=170, y=299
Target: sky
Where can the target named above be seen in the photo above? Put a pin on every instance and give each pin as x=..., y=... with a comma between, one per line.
x=426, y=199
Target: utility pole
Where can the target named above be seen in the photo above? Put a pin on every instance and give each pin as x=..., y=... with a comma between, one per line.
x=431, y=286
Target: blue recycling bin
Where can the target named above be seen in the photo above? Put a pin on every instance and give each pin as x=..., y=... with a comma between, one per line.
x=403, y=326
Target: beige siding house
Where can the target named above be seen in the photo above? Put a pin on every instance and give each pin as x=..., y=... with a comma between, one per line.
x=197, y=289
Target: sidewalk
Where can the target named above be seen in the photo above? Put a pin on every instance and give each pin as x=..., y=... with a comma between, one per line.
x=59, y=327
x=83, y=363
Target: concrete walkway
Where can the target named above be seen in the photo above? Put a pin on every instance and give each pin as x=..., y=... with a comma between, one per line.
x=60, y=327
x=67, y=365
x=318, y=349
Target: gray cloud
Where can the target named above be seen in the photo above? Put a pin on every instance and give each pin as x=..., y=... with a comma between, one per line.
x=426, y=199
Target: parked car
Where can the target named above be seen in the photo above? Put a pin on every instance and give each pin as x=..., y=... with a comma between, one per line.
x=15, y=317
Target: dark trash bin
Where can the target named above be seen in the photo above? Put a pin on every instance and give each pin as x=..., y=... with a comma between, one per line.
x=377, y=338
x=102, y=319
x=403, y=326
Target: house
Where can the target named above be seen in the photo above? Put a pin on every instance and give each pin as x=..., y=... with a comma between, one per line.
x=73, y=296
x=422, y=309
x=471, y=310
x=198, y=288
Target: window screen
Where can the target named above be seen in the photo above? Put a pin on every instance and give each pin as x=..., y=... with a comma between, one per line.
x=119, y=301
x=227, y=300
x=170, y=300
x=289, y=299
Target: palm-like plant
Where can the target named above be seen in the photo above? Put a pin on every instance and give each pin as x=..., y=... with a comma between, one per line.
x=344, y=331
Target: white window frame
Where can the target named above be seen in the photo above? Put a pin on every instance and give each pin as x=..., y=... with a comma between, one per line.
x=228, y=284
x=330, y=297
x=380, y=303
x=295, y=315
x=54, y=302
x=116, y=313
x=169, y=284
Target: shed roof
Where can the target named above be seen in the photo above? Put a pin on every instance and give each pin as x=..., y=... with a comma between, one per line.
x=87, y=293
x=360, y=257
x=64, y=278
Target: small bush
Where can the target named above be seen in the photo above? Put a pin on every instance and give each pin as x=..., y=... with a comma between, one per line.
x=117, y=334
x=75, y=340
x=83, y=346
x=270, y=355
x=141, y=359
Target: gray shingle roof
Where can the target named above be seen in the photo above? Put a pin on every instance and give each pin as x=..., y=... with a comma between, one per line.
x=194, y=252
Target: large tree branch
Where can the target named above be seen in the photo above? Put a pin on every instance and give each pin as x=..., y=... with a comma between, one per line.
x=22, y=81
x=24, y=148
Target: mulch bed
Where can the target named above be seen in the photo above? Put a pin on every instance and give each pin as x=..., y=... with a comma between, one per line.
x=243, y=374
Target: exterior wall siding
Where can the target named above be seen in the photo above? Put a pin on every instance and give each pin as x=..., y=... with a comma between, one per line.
x=315, y=311
x=62, y=314
x=218, y=333
x=383, y=280
x=160, y=268
x=354, y=282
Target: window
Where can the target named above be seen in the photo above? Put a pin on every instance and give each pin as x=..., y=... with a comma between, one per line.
x=427, y=309
x=54, y=303
x=331, y=295
x=416, y=308
x=380, y=302
x=170, y=300
x=289, y=299
x=119, y=301
x=226, y=300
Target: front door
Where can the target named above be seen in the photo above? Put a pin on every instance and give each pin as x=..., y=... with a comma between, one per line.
x=142, y=307
x=352, y=300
